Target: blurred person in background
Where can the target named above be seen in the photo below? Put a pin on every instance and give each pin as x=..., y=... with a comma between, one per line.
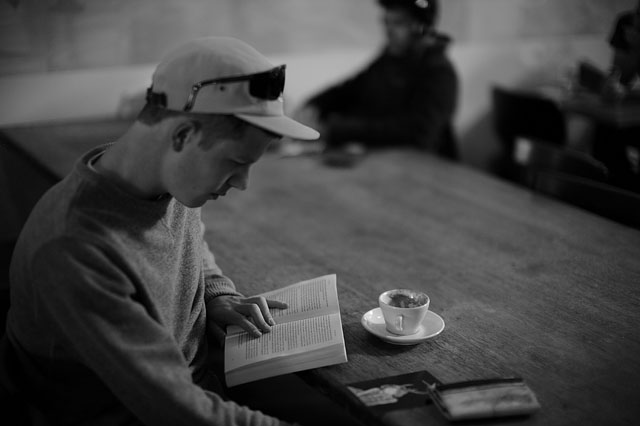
x=625, y=42
x=619, y=148
x=406, y=97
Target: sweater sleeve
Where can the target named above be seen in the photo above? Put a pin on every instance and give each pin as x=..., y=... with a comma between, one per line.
x=97, y=313
x=216, y=283
x=421, y=123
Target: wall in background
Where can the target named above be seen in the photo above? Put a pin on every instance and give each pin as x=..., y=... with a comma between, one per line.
x=50, y=35
x=496, y=41
x=53, y=35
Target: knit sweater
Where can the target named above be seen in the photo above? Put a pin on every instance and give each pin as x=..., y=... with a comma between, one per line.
x=108, y=315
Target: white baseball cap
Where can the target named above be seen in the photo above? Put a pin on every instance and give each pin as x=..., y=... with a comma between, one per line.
x=223, y=75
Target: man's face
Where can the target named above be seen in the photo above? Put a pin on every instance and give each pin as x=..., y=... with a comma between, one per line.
x=199, y=174
x=400, y=28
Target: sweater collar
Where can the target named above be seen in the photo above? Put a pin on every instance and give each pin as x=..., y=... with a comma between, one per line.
x=112, y=195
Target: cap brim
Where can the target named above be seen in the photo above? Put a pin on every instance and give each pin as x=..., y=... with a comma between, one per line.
x=281, y=125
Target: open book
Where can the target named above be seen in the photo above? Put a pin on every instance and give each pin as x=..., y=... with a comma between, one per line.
x=308, y=334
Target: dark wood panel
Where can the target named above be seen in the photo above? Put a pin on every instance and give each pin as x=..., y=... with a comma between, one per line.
x=55, y=146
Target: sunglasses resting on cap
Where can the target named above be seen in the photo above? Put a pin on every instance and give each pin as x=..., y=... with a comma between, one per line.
x=223, y=75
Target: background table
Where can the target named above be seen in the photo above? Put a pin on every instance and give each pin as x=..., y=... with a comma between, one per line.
x=616, y=134
x=527, y=286
x=622, y=114
x=605, y=129
x=618, y=114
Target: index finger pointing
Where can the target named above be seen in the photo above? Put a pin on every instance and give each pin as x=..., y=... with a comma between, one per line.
x=276, y=304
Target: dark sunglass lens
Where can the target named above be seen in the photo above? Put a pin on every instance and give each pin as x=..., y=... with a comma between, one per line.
x=268, y=85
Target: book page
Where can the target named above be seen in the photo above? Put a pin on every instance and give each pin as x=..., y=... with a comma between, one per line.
x=317, y=296
x=307, y=298
x=284, y=339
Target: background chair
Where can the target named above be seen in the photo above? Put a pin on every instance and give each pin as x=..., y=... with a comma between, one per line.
x=532, y=156
x=517, y=113
x=598, y=197
x=576, y=178
x=590, y=77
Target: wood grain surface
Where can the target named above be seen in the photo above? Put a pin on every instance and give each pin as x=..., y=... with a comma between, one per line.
x=527, y=286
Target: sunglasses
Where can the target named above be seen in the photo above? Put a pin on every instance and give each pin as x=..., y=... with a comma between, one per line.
x=267, y=85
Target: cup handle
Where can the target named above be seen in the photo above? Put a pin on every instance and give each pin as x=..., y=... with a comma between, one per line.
x=399, y=322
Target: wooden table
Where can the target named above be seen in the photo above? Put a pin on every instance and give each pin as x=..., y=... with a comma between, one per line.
x=527, y=286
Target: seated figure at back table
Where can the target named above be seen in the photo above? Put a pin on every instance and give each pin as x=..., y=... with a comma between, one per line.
x=113, y=288
x=625, y=42
x=619, y=147
x=406, y=96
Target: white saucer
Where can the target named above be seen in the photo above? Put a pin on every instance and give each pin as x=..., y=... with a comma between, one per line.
x=373, y=322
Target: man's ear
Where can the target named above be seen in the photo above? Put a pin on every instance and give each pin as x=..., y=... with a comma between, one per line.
x=183, y=133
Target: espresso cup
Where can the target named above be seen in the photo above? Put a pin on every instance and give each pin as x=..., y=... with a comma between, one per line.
x=403, y=310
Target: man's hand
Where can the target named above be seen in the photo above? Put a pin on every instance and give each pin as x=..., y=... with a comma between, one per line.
x=251, y=313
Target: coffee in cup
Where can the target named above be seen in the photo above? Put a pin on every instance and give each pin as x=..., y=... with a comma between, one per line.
x=403, y=310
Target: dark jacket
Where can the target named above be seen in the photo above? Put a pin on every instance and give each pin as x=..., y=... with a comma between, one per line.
x=618, y=41
x=408, y=100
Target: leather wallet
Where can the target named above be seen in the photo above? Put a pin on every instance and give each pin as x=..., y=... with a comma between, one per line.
x=486, y=398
